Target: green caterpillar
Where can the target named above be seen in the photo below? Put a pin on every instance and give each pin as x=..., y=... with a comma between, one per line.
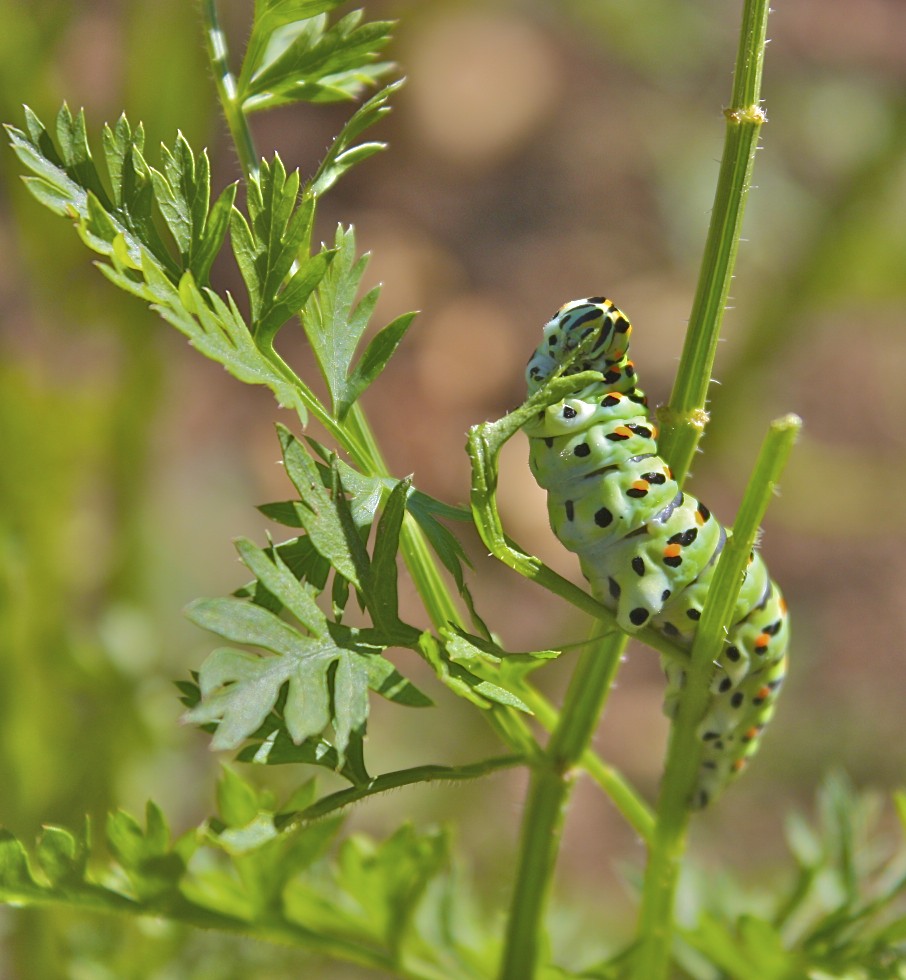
x=647, y=549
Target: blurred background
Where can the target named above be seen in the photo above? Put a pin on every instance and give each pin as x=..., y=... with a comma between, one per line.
x=541, y=150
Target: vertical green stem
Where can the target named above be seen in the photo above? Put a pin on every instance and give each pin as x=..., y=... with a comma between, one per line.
x=552, y=777
x=684, y=418
x=227, y=91
x=634, y=809
x=683, y=421
x=684, y=750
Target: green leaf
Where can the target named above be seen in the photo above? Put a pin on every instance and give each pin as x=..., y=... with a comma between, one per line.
x=36, y=150
x=272, y=572
x=319, y=510
x=68, y=180
x=239, y=690
x=385, y=881
x=75, y=153
x=292, y=297
x=15, y=877
x=383, y=574
x=309, y=59
x=751, y=951
x=244, y=622
x=183, y=192
x=343, y=154
x=178, y=192
x=364, y=493
x=379, y=584
x=335, y=323
x=382, y=347
x=461, y=680
x=381, y=904
x=283, y=512
x=208, y=246
x=153, y=869
x=267, y=41
x=327, y=677
x=123, y=229
x=303, y=562
x=270, y=249
x=218, y=331
x=497, y=668
x=332, y=325
x=62, y=856
x=133, y=195
x=237, y=800
x=426, y=510
x=277, y=749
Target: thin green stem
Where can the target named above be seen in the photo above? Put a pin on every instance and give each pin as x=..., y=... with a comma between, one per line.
x=394, y=780
x=684, y=750
x=631, y=806
x=227, y=91
x=345, y=437
x=88, y=896
x=551, y=781
x=684, y=418
x=683, y=422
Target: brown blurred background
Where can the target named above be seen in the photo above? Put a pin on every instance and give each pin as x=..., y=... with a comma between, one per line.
x=541, y=150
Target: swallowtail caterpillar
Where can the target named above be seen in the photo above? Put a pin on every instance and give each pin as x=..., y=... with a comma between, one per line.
x=647, y=548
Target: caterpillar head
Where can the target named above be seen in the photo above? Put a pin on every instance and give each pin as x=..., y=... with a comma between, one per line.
x=596, y=323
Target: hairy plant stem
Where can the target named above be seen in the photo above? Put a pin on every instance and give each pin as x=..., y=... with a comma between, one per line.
x=652, y=959
x=633, y=808
x=95, y=898
x=684, y=418
x=227, y=92
x=394, y=780
x=551, y=781
x=683, y=422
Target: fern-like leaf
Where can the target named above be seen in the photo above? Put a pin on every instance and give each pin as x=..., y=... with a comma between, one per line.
x=271, y=249
x=386, y=905
x=296, y=54
x=335, y=323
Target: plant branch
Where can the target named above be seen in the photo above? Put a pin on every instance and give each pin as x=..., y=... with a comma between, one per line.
x=354, y=434
x=684, y=418
x=684, y=750
x=552, y=778
x=631, y=806
x=96, y=898
x=394, y=780
x=227, y=90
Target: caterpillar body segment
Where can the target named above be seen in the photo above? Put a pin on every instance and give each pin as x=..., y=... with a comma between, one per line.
x=647, y=548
